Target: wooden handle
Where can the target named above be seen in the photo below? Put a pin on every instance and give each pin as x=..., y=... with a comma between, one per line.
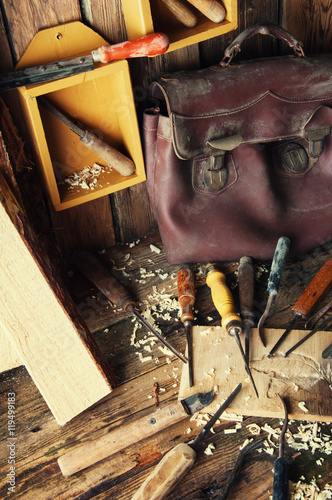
x=148, y=45
x=120, y=438
x=246, y=274
x=170, y=470
x=114, y=158
x=315, y=291
x=212, y=9
x=186, y=293
x=103, y=279
x=181, y=12
x=278, y=264
x=222, y=298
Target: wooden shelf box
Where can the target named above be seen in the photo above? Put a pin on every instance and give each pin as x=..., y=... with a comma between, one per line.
x=101, y=100
x=148, y=16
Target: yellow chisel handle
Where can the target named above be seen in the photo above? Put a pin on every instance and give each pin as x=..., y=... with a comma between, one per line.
x=170, y=470
x=223, y=300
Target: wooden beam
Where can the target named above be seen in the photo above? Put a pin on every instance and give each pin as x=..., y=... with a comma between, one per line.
x=40, y=321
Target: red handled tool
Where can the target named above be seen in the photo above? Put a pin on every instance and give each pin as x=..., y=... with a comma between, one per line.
x=314, y=292
x=148, y=45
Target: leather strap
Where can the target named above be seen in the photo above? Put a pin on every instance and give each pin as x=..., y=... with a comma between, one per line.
x=263, y=29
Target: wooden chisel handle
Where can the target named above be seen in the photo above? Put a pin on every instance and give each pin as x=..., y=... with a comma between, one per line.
x=181, y=12
x=278, y=264
x=104, y=280
x=315, y=291
x=170, y=470
x=120, y=438
x=246, y=276
x=212, y=9
x=111, y=156
x=222, y=298
x=148, y=45
x=186, y=293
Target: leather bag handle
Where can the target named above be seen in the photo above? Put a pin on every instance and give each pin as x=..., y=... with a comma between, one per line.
x=263, y=29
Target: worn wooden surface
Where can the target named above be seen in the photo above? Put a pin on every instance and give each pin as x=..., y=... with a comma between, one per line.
x=40, y=441
x=126, y=217
x=303, y=376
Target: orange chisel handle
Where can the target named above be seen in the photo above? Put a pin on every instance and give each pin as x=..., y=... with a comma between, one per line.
x=315, y=291
x=186, y=293
x=212, y=9
x=181, y=12
x=223, y=300
x=148, y=45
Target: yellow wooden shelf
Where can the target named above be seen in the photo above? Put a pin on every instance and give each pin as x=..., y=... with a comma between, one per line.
x=151, y=16
x=101, y=100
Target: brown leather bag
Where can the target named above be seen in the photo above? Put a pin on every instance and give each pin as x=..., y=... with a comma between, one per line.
x=239, y=155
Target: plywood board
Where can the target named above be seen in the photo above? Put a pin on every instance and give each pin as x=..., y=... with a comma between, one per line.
x=303, y=377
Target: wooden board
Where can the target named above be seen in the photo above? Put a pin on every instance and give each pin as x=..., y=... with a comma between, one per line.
x=302, y=377
x=40, y=321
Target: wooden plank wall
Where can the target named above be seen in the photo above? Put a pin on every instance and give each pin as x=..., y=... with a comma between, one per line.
x=127, y=215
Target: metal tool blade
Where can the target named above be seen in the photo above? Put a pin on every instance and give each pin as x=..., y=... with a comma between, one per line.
x=188, y=330
x=238, y=341
x=321, y=327
x=197, y=402
x=215, y=417
x=46, y=72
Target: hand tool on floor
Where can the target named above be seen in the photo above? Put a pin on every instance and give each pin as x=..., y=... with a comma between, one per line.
x=111, y=156
x=181, y=12
x=314, y=292
x=186, y=297
x=232, y=477
x=127, y=435
x=327, y=353
x=115, y=292
x=318, y=328
x=148, y=45
x=280, y=475
x=224, y=303
x=177, y=462
x=246, y=281
x=212, y=9
x=277, y=267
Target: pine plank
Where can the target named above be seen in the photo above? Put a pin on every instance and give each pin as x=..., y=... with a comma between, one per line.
x=39, y=320
x=301, y=377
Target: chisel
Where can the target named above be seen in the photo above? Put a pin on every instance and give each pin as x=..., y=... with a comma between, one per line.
x=115, y=292
x=246, y=280
x=224, y=303
x=280, y=474
x=314, y=292
x=177, y=462
x=111, y=156
x=186, y=297
x=277, y=266
x=148, y=45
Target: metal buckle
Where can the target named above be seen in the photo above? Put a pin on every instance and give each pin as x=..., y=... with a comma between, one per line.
x=215, y=173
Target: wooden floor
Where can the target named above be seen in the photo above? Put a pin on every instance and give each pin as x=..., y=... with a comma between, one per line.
x=124, y=225
x=40, y=441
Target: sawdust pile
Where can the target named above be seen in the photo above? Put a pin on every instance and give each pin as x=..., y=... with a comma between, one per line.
x=87, y=178
x=303, y=491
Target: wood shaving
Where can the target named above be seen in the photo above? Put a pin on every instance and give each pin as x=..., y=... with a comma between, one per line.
x=209, y=448
x=303, y=491
x=87, y=178
x=155, y=249
x=301, y=405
